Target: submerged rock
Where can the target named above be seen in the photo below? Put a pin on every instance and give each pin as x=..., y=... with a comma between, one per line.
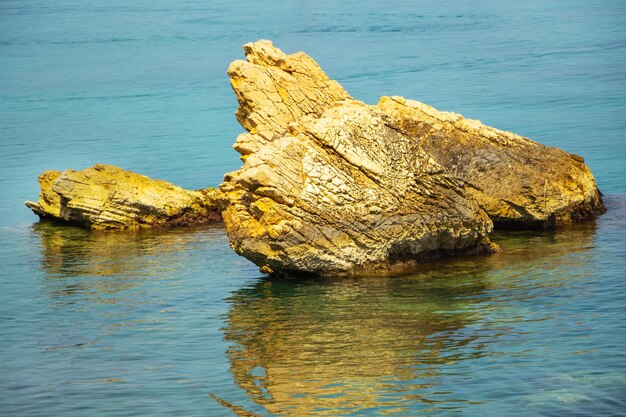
x=108, y=197
x=340, y=190
x=331, y=185
x=521, y=184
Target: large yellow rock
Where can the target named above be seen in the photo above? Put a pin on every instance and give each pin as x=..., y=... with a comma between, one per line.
x=331, y=185
x=108, y=197
x=339, y=190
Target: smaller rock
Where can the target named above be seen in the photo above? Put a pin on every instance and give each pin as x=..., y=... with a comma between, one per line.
x=108, y=197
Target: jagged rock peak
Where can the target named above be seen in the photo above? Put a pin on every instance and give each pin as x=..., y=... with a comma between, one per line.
x=274, y=89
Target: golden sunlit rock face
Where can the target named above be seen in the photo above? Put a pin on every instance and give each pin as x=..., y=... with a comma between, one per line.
x=108, y=197
x=273, y=89
x=331, y=185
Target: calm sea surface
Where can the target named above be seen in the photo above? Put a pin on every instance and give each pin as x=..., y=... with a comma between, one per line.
x=173, y=323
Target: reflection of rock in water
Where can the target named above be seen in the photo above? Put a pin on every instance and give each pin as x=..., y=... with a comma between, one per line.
x=123, y=258
x=327, y=347
x=300, y=347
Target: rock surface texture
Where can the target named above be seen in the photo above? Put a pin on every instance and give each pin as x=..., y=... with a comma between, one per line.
x=521, y=184
x=108, y=197
x=329, y=185
x=273, y=89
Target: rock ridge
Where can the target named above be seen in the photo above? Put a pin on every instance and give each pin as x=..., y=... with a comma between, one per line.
x=521, y=183
x=333, y=186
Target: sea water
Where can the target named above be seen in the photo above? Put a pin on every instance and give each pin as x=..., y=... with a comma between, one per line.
x=161, y=323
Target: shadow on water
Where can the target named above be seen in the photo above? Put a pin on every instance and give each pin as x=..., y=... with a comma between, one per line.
x=343, y=346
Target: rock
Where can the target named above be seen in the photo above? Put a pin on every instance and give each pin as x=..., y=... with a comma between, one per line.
x=522, y=184
x=335, y=189
x=108, y=197
x=273, y=89
x=333, y=186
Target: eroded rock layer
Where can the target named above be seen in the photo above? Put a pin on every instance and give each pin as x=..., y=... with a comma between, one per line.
x=522, y=184
x=108, y=197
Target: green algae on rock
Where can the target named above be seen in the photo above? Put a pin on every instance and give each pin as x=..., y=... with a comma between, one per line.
x=108, y=197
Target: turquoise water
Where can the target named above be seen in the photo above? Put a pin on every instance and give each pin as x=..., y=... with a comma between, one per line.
x=160, y=323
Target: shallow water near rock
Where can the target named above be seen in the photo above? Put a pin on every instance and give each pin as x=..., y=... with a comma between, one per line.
x=172, y=322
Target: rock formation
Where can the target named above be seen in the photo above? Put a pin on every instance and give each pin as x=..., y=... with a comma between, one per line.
x=331, y=185
x=107, y=197
x=334, y=188
x=521, y=184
